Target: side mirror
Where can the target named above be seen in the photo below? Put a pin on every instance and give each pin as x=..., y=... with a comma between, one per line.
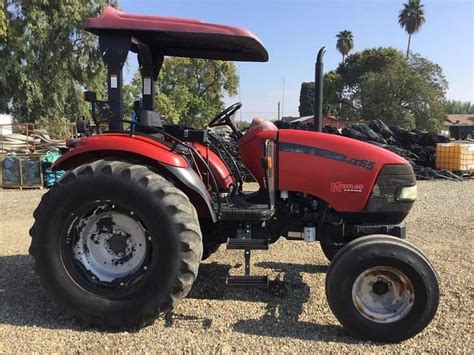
x=89, y=96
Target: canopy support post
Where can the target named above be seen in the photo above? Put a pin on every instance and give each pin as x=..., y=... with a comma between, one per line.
x=150, y=66
x=114, y=51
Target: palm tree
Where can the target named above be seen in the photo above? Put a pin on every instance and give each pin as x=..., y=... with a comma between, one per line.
x=411, y=18
x=345, y=42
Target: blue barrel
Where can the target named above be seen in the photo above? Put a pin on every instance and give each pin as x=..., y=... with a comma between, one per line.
x=11, y=171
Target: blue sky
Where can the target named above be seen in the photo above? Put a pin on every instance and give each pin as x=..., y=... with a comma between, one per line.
x=294, y=30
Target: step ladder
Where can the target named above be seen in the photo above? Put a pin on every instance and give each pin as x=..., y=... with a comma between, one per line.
x=247, y=245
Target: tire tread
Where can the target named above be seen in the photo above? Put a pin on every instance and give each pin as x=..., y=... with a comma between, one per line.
x=176, y=203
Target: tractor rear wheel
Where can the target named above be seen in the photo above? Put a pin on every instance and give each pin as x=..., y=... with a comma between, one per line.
x=115, y=244
x=382, y=288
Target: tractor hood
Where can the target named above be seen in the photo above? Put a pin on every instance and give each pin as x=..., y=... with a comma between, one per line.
x=341, y=171
x=170, y=36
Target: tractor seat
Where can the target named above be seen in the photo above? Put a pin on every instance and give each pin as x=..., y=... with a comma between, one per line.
x=151, y=119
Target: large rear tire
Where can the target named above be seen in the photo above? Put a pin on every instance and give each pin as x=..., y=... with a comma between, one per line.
x=382, y=288
x=115, y=244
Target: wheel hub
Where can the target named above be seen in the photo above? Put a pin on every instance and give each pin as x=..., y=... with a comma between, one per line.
x=111, y=245
x=383, y=294
x=380, y=288
x=117, y=244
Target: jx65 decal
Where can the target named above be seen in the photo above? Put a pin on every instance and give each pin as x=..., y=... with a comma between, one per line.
x=328, y=154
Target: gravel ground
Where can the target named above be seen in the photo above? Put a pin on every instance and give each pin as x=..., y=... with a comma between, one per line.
x=214, y=318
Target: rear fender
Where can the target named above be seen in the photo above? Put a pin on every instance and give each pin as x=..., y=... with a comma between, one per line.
x=145, y=146
x=180, y=173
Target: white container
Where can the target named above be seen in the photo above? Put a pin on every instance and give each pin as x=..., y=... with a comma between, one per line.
x=310, y=234
x=5, y=124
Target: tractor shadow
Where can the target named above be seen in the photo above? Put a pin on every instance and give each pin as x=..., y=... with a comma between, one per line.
x=23, y=301
x=210, y=283
x=284, y=300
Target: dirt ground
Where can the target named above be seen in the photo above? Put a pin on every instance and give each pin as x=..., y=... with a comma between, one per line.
x=214, y=318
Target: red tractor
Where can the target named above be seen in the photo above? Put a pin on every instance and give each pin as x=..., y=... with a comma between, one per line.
x=118, y=240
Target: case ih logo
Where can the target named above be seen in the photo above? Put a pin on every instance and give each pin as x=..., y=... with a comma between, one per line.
x=340, y=187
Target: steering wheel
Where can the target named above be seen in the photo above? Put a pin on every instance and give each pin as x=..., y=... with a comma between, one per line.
x=225, y=118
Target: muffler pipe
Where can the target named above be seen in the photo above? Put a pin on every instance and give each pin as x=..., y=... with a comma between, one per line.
x=318, y=91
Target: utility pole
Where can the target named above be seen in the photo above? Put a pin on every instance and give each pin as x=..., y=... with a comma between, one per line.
x=240, y=94
x=283, y=100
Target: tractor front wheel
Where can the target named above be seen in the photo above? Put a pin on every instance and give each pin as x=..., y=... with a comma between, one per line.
x=116, y=244
x=382, y=288
x=330, y=248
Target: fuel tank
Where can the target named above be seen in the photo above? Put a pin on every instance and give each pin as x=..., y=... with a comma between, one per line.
x=341, y=171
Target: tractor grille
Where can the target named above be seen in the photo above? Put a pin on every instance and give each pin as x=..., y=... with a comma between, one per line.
x=383, y=200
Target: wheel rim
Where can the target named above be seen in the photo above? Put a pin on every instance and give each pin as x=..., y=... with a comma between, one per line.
x=383, y=294
x=110, y=244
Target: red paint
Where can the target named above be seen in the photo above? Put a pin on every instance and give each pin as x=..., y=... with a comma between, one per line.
x=112, y=18
x=182, y=37
x=222, y=174
x=251, y=147
x=122, y=142
x=314, y=174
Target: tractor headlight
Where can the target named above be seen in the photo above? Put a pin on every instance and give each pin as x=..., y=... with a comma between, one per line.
x=407, y=193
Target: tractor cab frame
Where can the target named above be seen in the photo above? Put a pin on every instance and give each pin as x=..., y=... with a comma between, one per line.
x=153, y=38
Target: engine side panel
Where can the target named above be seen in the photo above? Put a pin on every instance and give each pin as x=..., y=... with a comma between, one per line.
x=339, y=170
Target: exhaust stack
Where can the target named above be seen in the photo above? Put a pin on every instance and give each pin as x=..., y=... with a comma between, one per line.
x=318, y=92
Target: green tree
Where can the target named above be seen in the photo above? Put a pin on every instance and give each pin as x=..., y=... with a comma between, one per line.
x=130, y=93
x=306, y=107
x=402, y=96
x=47, y=59
x=411, y=18
x=191, y=91
x=332, y=102
x=459, y=107
x=409, y=94
x=381, y=84
x=345, y=42
x=369, y=60
x=3, y=21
